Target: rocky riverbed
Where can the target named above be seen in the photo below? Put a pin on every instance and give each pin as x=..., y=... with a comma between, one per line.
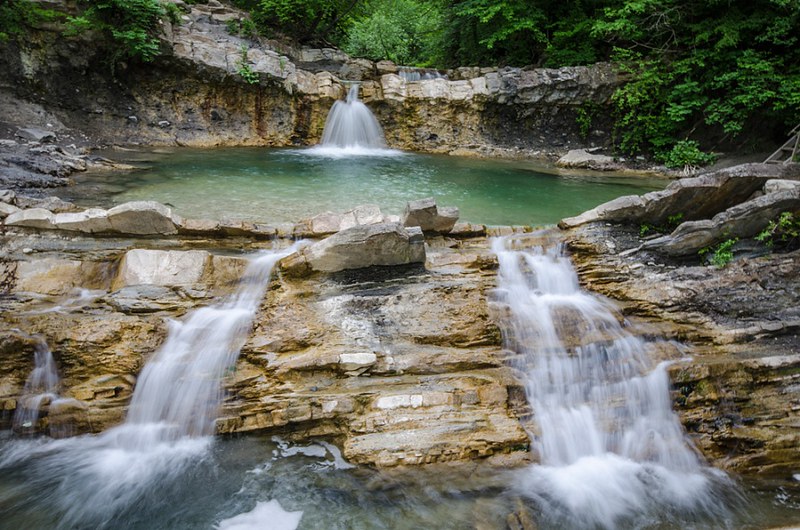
x=382, y=337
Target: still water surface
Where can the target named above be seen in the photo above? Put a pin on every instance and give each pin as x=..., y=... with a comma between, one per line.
x=286, y=185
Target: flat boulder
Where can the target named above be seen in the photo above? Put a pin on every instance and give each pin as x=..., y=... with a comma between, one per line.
x=425, y=214
x=166, y=268
x=695, y=198
x=144, y=218
x=740, y=221
x=32, y=218
x=384, y=244
x=328, y=223
x=91, y=221
x=582, y=158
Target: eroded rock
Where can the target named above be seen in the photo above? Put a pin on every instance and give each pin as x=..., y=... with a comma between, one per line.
x=741, y=221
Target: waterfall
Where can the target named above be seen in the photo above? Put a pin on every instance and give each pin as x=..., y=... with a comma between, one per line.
x=411, y=75
x=180, y=386
x=351, y=129
x=97, y=481
x=611, y=449
x=41, y=388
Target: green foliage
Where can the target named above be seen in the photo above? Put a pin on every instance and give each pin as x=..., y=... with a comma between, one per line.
x=584, y=117
x=691, y=62
x=782, y=233
x=718, y=255
x=404, y=31
x=16, y=15
x=686, y=154
x=132, y=26
x=242, y=27
x=244, y=69
x=665, y=228
x=319, y=22
x=521, y=32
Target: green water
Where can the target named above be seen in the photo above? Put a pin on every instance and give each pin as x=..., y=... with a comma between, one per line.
x=286, y=185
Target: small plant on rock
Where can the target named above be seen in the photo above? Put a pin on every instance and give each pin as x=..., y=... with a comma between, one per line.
x=244, y=69
x=783, y=232
x=672, y=223
x=718, y=255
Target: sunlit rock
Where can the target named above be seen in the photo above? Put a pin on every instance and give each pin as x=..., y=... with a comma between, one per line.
x=32, y=218
x=430, y=218
x=143, y=218
x=382, y=244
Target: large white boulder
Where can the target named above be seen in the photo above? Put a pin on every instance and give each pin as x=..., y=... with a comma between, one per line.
x=166, y=268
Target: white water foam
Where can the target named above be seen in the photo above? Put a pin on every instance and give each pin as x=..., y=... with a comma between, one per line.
x=266, y=515
x=611, y=449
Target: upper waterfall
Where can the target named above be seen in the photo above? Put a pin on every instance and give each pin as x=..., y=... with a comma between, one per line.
x=352, y=129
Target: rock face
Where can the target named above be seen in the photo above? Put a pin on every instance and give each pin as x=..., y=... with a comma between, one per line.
x=386, y=244
x=399, y=365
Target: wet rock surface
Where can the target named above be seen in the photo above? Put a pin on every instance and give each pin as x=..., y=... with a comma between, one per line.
x=399, y=365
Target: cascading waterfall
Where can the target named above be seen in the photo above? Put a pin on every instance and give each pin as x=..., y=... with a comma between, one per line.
x=40, y=388
x=611, y=449
x=352, y=127
x=170, y=422
x=180, y=385
x=411, y=75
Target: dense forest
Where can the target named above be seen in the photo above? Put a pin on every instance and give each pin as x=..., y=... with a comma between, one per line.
x=696, y=69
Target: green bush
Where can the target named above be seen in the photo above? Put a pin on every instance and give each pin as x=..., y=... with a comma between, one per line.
x=782, y=233
x=132, y=26
x=404, y=31
x=718, y=255
x=16, y=15
x=686, y=153
x=244, y=69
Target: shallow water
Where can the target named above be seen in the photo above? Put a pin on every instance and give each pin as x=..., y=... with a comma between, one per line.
x=232, y=476
x=286, y=185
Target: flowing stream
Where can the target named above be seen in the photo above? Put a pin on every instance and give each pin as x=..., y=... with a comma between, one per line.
x=41, y=388
x=612, y=451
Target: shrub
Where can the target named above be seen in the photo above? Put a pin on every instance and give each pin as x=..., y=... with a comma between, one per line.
x=783, y=232
x=719, y=255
